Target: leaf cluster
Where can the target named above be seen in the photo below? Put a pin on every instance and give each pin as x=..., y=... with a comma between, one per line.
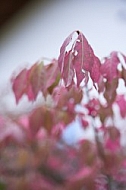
x=82, y=88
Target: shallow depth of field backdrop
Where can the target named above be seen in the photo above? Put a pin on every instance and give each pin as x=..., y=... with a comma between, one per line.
x=39, y=29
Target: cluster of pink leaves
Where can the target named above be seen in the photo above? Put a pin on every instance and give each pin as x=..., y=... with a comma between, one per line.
x=33, y=154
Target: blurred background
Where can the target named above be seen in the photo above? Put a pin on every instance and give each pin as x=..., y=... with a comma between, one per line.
x=32, y=29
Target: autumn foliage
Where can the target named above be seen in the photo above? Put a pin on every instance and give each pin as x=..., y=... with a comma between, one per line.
x=80, y=87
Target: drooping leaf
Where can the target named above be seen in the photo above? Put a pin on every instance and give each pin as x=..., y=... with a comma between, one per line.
x=110, y=90
x=57, y=130
x=112, y=139
x=63, y=96
x=109, y=67
x=65, y=101
x=52, y=76
x=29, y=92
x=112, y=151
x=42, y=117
x=105, y=112
x=36, y=121
x=39, y=78
x=79, y=60
x=36, y=79
x=65, y=61
x=27, y=82
x=20, y=84
x=63, y=52
x=68, y=69
x=121, y=102
x=85, y=60
x=44, y=78
x=95, y=70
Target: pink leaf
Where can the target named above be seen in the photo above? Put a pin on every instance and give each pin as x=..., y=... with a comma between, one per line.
x=95, y=70
x=84, y=173
x=41, y=117
x=20, y=84
x=79, y=60
x=38, y=78
x=109, y=68
x=110, y=90
x=63, y=51
x=64, y=97
x=57, y=130
x=84, y=123
x=52, y=76
x=35, y=79
x=29, y=92
x=24, y=121
x=68, y=69
x=112, y=139
x=112, y=145
x=35, y=121
x=27, y=82
x=121, y=101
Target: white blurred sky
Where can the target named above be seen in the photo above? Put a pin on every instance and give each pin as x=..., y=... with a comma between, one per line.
x=40, y=28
